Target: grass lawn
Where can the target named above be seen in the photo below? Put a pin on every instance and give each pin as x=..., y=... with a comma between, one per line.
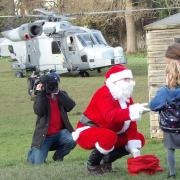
x=17, y=122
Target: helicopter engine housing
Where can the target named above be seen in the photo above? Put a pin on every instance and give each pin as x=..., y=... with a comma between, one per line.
x=24, y=32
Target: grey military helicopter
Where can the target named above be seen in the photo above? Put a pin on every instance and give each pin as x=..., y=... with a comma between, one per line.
x=55, y=43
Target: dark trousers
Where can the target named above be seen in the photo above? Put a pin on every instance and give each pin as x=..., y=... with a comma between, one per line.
x=63, y=140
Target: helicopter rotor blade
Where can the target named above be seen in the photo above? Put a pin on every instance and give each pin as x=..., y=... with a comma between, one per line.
x=50, y=14
x=22, y=16
x=44, y=12
x=11, y=16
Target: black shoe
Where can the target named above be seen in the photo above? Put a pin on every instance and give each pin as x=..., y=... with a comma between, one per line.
x=95, y=170
x=171, y=176
x=106, y=167
x=56, y=157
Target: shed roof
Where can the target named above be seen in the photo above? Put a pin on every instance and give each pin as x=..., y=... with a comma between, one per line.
x=169, y=22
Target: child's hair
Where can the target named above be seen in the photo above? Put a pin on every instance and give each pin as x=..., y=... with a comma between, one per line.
x=173, y=67
x=173, y=51
x=173, y=73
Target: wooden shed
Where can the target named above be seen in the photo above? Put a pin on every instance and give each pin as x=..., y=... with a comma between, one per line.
x=159, y=35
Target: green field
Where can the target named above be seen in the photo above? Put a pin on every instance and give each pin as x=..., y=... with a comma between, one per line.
x=17, y=122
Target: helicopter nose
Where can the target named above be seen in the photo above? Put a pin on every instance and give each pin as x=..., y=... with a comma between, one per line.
x=108, y=54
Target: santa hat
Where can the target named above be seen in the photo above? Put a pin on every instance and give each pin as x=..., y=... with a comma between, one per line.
x=118, y=72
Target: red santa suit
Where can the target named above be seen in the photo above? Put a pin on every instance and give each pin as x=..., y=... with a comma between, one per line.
x=110, y=122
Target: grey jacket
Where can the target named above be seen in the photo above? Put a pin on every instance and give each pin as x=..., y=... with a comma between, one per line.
x=42, y=110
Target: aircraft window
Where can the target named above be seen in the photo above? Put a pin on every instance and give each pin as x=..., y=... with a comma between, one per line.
x=71, y=40
x=56, y=47
x=10, y=48
x=71, y=44
x=81, y=40
x=29, y=58
x=86, y=39
x=99, y=38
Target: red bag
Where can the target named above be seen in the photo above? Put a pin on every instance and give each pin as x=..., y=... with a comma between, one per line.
x=148, y=164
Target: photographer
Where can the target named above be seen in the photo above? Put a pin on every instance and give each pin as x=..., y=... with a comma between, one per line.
x=53, y=129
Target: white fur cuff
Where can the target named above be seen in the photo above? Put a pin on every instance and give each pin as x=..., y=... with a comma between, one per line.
x=134, y=144
x=76, y=133
x=101, y=150
x=134, y=112
x=135, y=152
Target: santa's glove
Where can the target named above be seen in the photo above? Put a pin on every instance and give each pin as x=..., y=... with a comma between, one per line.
x=135, y=152
x=136, y=111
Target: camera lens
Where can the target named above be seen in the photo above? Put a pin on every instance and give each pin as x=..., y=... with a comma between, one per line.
x=51, y=87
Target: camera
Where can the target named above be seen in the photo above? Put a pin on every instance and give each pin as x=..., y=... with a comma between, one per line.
x=50, y=83
x=33, y=81
x=51, y=87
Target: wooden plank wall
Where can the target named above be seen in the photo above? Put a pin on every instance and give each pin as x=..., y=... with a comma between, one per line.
x=157, y=42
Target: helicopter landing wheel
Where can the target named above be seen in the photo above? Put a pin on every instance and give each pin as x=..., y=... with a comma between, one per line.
x=84, y=74
x=99, y=70
x=19, y=74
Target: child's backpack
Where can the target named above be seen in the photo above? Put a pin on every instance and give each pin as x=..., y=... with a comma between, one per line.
x=169, y=120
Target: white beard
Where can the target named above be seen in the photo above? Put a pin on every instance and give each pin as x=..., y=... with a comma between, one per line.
x=122, y=90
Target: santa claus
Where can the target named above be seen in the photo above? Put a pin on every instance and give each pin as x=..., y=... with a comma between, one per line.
x=108, y=125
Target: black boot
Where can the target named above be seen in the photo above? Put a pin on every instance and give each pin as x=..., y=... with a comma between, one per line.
x=111, y=157
x=115, y=154
x=57, y=156
x=93, y=163
x=106, y=167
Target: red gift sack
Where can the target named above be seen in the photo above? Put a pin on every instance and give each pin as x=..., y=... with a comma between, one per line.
x=148, y=164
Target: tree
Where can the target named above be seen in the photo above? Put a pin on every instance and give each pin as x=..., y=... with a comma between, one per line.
x=166, y=4
x=130, y=28
x=24, y=7
x=7, y=7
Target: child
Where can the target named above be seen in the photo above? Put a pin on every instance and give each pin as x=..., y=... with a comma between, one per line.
x=167, y=94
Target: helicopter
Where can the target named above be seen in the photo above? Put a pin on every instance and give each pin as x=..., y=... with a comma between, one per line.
x=55, y=43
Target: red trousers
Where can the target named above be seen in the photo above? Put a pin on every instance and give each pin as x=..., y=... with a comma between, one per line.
x=106, y=138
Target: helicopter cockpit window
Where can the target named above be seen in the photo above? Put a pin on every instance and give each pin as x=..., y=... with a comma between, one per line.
x=81, y=40
x=99, y=38
x=56, y=47
x=86, y=40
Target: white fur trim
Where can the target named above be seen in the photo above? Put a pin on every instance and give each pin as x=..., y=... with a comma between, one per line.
x=134, y=144
x=76, y=133
x=134, y=113
x=125, y=127
x=135, y=152
x=121, y=75
x=101, y=150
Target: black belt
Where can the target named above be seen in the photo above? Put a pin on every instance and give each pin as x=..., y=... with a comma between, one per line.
x=86, y=121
